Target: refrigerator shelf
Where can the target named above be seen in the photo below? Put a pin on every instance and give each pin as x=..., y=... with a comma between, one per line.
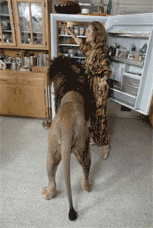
x=69, y=45
x=123, y=97
x=129, y=34
x=75, y=57
x=127, y=61
x=70, y=36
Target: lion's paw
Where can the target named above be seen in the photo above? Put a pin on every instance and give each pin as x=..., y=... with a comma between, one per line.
x=48, y=194
x=86, y=186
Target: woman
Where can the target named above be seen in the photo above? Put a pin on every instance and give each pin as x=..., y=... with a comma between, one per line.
x=97, y=66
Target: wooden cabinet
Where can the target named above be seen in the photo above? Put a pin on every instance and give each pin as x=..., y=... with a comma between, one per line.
x=24, y=29
x=30, y=23
x=23, y=94
x=7, y=32
x=31, y=97
x=24, y=24
x=8, y=96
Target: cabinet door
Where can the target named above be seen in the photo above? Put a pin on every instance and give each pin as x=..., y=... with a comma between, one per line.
x=32, y=101
x=9, y=100
x=7, y=34
x=30, y=23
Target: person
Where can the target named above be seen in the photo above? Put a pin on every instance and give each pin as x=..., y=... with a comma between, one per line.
x=97, y=65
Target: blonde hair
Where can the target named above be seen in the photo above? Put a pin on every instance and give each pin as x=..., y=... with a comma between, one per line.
x=99, y=34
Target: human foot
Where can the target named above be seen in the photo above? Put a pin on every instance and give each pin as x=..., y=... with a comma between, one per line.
x=106, y=151
x=92, y=143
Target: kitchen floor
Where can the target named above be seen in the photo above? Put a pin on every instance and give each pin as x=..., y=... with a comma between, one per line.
x=122, y=184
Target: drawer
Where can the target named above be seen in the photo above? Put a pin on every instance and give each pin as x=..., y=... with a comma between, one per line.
x=31, y=81
x=123, y=97
x=129, y=89
x=7, y=80
x=131, y=81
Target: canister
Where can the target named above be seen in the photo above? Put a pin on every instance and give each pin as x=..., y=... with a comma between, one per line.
x=82, y=31
x=76, y=30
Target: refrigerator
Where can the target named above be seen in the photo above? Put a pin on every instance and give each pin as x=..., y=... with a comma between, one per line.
x=130, y=42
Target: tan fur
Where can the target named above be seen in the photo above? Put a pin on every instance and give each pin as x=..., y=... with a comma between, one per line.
x=68, y=134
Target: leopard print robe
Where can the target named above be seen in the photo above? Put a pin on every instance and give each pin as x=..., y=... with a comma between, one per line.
x=97, y=65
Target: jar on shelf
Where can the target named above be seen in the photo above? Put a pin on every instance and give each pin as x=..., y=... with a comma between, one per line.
x=72, y=28
x=82, y=31
x=76, y=30
x=62, y=32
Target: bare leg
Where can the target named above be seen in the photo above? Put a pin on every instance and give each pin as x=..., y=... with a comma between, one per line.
x=53, y=160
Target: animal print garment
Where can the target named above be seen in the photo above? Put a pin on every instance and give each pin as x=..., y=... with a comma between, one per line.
x=97, y=65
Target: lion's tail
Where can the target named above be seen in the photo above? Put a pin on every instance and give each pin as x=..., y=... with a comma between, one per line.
x=66, y=144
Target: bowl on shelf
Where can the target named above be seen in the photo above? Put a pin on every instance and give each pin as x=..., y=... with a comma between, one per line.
x=71, y=52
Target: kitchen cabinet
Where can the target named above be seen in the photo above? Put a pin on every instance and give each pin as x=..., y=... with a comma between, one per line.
x=30, y=18
x=25, y=24
x=8, y=95
x=7, y=32
x=23, y=94
x=24, y=32
x=31, y=97
x=131, y=80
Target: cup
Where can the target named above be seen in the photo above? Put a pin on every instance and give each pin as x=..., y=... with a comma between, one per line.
x=18, y=63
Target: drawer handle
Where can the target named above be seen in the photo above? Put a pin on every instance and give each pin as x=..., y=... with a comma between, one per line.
x=3, y=80
x=20, y=91
x=15, y=90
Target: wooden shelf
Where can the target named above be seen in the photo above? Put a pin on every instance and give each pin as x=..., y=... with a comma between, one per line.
x=30, y=32
x=5, y=15
x=7, y=30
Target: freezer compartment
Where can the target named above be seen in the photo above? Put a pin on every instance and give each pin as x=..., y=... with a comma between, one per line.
x=123, y=97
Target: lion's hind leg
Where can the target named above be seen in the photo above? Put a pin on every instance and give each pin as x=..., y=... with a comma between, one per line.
x=84, y=159
x=53, y=160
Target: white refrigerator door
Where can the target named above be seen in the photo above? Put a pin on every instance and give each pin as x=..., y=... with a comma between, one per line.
x=132, y=80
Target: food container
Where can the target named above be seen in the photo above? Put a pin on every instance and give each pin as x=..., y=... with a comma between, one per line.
x=85, y=11
x=82, y=30
x=79, y=53
x=62, y=32
x=71, y=52
x=76, y=30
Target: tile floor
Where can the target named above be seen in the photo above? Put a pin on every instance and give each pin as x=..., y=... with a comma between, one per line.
x=122, y=185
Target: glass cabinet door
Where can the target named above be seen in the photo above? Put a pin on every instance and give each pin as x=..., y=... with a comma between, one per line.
x=31, y=23
x=7, y=36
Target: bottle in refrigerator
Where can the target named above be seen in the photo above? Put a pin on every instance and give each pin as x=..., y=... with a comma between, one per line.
x=112, y=50
x=143, y=51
